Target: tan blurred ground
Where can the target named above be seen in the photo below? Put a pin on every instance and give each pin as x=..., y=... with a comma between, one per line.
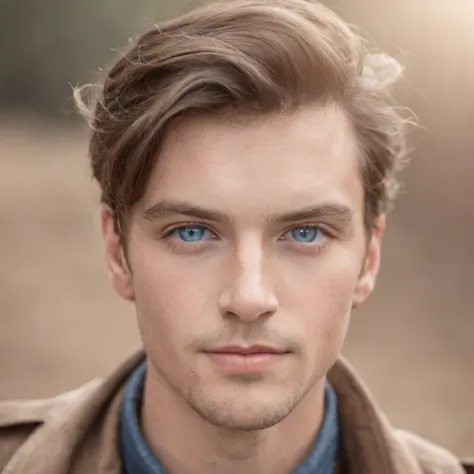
x=60, y=324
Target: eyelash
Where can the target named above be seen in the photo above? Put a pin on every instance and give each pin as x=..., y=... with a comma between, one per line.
x=310, y=247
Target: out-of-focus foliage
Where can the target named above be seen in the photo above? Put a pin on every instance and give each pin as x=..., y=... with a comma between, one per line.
x=46, y=45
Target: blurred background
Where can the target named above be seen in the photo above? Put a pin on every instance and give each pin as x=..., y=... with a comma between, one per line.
x=61, y=324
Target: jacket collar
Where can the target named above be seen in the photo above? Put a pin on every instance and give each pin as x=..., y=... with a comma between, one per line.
x=81, y=430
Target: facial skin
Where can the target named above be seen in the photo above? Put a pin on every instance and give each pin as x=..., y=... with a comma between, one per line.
x=250, y=233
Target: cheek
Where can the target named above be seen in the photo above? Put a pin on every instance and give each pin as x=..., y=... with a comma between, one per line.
x=165, y=318
x=327, y=280
x=325, y=311
x=321, y=293
x=169, y=299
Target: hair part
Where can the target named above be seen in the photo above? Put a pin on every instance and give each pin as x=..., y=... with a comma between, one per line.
x=241, y=57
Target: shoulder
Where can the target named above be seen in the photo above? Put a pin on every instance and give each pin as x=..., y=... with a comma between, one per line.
x=433, y=459
x=21, y=420
x=18, y=420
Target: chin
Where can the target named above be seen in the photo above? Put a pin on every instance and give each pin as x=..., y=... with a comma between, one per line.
x=243, y=413
x=244, y=421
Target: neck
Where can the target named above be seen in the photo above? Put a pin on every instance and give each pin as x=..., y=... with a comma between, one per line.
x=187, y=444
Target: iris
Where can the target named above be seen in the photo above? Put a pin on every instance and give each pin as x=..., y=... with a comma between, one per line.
x=304, y=234
x=193, y=233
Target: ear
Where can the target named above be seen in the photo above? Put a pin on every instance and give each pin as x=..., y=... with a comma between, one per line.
x=366, y=283
x=119, y=270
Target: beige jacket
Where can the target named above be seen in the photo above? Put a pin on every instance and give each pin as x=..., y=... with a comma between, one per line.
x=76, y=433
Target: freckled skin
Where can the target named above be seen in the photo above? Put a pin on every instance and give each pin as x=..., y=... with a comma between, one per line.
x=249, y=279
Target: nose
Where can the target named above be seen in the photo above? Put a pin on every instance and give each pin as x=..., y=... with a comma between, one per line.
x=248, y=294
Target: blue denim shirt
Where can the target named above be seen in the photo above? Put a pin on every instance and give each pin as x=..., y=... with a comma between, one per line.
x=137, y=457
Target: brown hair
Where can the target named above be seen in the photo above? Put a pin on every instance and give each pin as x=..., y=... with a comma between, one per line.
x=248, y=57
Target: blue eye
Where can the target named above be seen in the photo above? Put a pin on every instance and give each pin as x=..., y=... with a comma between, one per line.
x=192, y=233
x=304, y=234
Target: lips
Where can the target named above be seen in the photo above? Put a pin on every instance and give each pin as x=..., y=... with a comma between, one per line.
x=247, y=350
x=246, y=359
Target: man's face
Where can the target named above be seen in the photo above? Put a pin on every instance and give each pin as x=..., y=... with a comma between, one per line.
x=246, y=254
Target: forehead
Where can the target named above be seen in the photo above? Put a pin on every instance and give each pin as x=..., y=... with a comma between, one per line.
x=271, y=163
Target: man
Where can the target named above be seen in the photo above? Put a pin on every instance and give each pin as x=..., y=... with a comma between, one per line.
x=246, y=155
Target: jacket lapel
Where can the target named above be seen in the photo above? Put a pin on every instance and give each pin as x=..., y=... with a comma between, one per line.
x=369, y=444
x=81, y=431
x=82, y=421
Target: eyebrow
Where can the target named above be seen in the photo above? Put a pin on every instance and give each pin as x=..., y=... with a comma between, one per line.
x=338, y=211
x=168, y=208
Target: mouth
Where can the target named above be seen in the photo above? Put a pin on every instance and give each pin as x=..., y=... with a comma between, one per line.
x=247, y=350
x=245, y=359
